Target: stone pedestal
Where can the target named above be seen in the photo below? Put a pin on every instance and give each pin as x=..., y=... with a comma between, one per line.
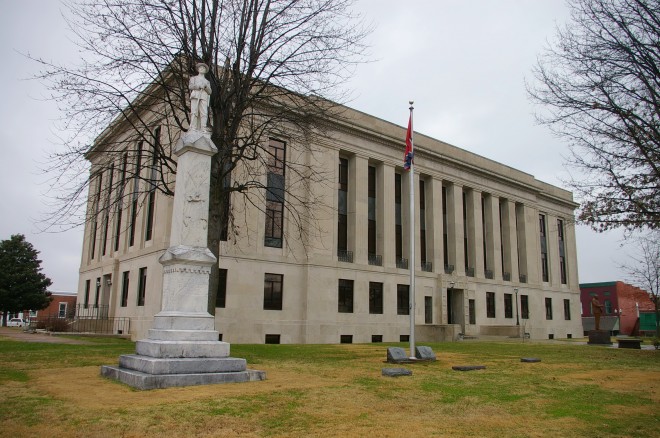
x=182, y=348
x=599, y=337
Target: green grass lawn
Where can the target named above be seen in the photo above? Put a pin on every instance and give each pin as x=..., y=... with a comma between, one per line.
x=338, y=390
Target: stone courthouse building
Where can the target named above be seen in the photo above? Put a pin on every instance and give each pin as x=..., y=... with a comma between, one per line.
x=495, y=248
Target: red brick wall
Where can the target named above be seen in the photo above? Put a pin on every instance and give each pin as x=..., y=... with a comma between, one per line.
x=623, y=296
x=53, y=309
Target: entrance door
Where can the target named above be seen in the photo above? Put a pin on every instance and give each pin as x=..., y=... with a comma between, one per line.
x=105, y=296
x=456, y=308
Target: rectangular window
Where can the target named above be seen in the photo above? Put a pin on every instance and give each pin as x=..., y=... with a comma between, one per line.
x=345, y=296
x=548, y=308
x=402, y=299
x=87, y=287
x=346, y=339
x=225, y=201
x=61, y=311
x=466, y=243
x=120, y=200
x=501, y=206
x=376, y=338
x=151, y=198
x=97, y=206
x=273, y=284
x=608, y=307
x=106, y=220
x=562, y=251
x=490, y=304
x=375, y=298
x=371, y=189
x=97, y=295
x=524, y=306
x=567, y=310
x=508, y=305
x=275, y=188
x=221, y=293
x=272, y=339
x=142, y=287
x=483, y=231
x=404, y=338
x=124, y=288
x=445, y=236
x=151, y=205
x=472, y=313
x=422, y=220
x=544, y=249
x=136, y=194
x=342, y=206
x=428, y=310
x=398, y=233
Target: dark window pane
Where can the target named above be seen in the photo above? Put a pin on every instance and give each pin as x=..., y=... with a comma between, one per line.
x=508, y=305
x=124, y=288
x=272, y=339
x=375, y=298
x=524, y=306
x=402, y=299
x=221, y=294
x=273, y=291
x=345, y=296
x=490, y=304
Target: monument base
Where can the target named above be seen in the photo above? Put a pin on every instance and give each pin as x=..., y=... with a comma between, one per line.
x=163, y=364
x=599, y=337
x=145, y=381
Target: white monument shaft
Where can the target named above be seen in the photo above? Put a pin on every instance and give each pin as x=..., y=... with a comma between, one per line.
x=182, y=348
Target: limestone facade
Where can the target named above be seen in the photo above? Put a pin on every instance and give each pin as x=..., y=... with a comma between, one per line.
x=495, y=248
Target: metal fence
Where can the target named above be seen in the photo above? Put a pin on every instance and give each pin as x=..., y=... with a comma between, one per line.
x=53, y=323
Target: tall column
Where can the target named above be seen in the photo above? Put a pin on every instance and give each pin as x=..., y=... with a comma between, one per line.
x=386, y=211
x=417, y=235
x=571, y=253
x=532, y=244
x=405, y=214
x=553, y=250
x=434, y=224
x=509, y=239
x=523, y=234
x=358, y=207
x=475, y=239
x=455, y=227
x=491, y=219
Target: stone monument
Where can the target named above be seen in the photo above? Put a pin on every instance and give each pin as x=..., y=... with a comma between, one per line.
x=182, y=347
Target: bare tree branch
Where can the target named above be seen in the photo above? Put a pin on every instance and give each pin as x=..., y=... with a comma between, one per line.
x=600, y=90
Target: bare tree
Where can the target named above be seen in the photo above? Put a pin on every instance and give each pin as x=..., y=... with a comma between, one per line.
x=600, y=88
x=277, y=67
x=643, y=268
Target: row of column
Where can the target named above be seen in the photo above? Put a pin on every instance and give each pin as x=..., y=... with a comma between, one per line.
x=486, y=236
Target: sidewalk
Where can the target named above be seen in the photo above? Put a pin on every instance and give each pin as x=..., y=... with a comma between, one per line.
x=20, y=335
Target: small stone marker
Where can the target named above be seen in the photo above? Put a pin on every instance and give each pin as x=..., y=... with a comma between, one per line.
x=530, y=359
x=468, y=367
x=396, y=372
x=424, y=353
x=397, y=355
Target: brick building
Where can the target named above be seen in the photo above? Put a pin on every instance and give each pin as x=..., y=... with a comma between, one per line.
x=622, y=305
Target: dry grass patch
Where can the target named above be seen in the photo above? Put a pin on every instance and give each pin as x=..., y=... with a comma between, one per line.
x=339, y=391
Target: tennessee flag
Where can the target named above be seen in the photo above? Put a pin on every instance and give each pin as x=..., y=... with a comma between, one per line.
x=408, y=155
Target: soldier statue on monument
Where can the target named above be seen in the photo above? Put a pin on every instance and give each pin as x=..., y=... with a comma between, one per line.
x=200, y=95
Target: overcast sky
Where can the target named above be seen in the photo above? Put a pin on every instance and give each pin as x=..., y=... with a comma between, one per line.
x=464, y=63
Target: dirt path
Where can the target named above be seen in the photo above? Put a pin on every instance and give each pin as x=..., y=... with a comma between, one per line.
x=18, y=334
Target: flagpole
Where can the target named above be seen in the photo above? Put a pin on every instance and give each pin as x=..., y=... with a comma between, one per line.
x=411, y=257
